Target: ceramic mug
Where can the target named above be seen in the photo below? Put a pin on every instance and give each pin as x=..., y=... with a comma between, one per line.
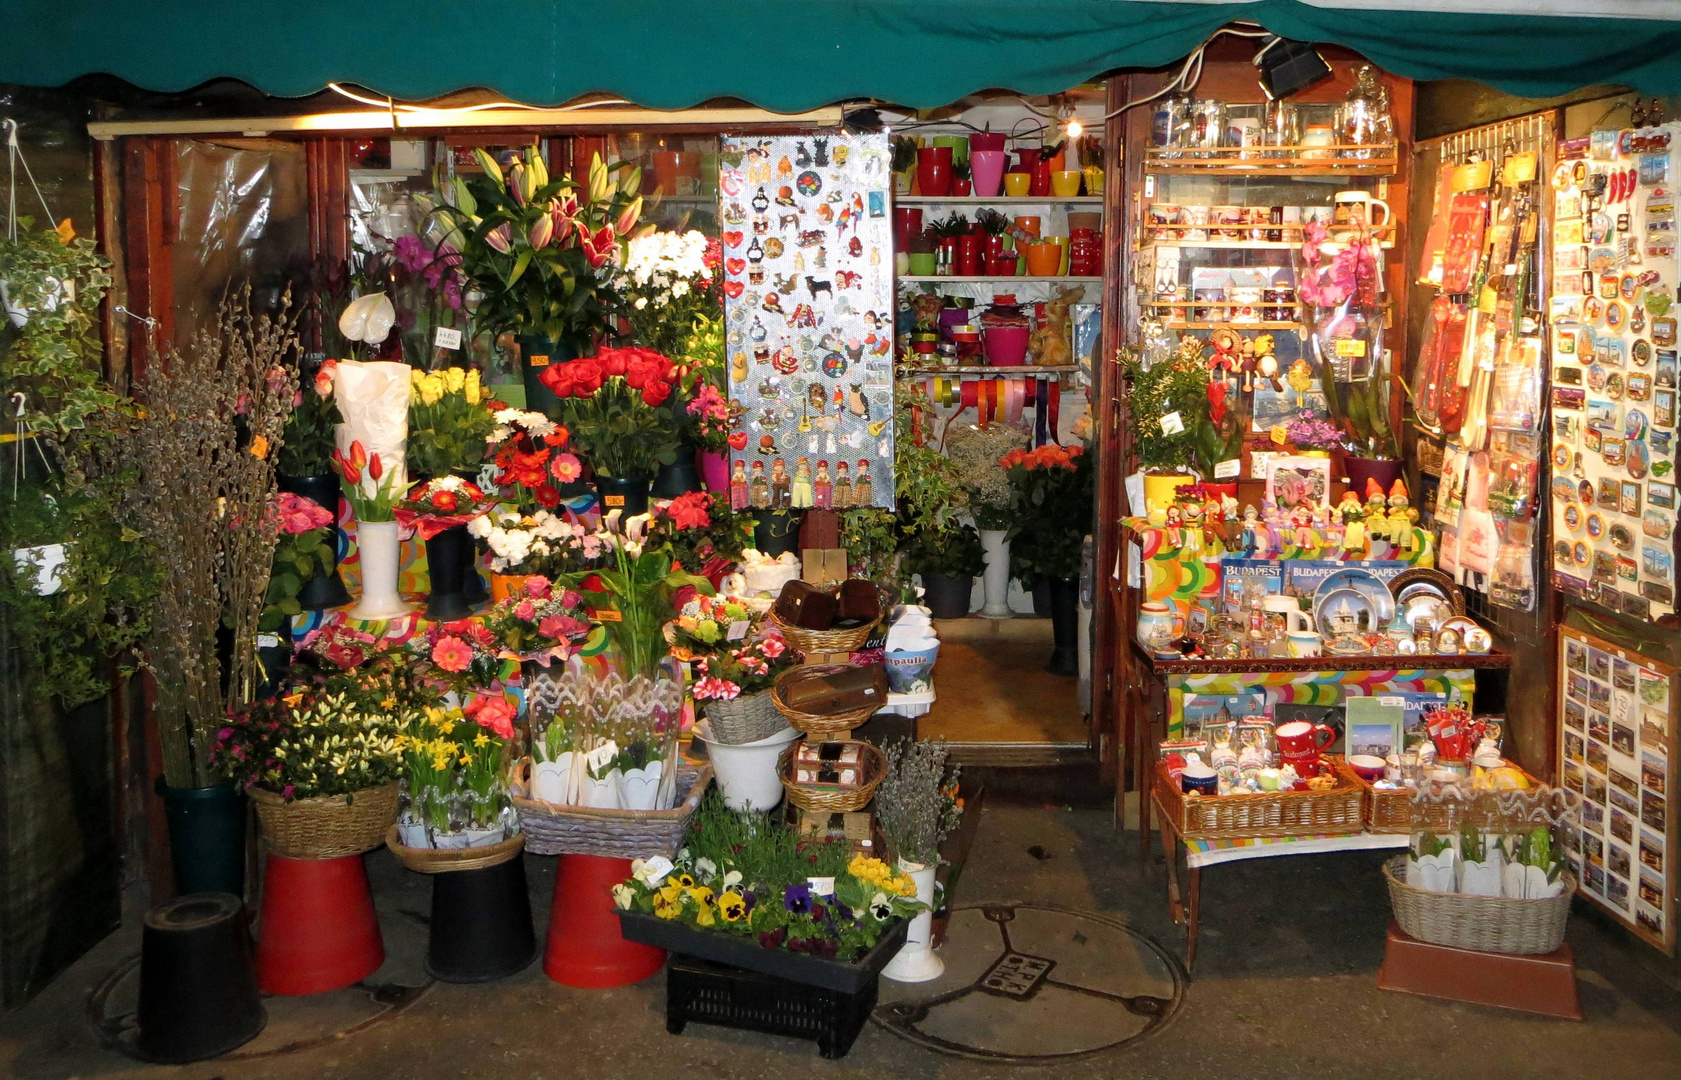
x=1357, y=209
x=1199, y=778
x=1158, y=623
x=1295, y=618
x=1304, y=643
x=1300, y=744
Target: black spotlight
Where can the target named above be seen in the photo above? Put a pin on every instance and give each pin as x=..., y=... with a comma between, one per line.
x=1288, y=66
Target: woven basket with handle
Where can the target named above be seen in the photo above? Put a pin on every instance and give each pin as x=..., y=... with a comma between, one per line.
x=329, y=827
x=744, y=719
x=1499, y=924
x=834, y=800
x=816, y=723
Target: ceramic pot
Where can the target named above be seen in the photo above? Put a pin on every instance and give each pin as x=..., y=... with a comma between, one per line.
x=746, y=772
x=995, y=547
x=1361, y=469
x=986, y=140
x=1044, y=259
x=916, y=961
x=907, y=226
x=968, y=256
x=206, y=837
x=714, y=469
x=1065, y=183
x=986, y=168
x=503, y=586
x=1017, y=185
x=1161, y=490
x=379, y=546
x=1006, y=346
x=1041, y=173
x=920, y=263
x=933, y=170
x=626, y=494
x=325, y=590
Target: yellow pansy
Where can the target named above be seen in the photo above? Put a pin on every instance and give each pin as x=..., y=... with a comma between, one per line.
x=455, y=379
x=666, y=909
x=704, y=917
x=685, y=881
x=732, y=906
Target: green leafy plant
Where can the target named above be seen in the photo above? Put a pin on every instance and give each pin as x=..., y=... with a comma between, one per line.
x=633, y=595
x=954, y=550
x=304, y=549
x=945, y=228
x=870, y=536
x=77, y=484
x=904, y=153
x=926, y=484
x=539, y=249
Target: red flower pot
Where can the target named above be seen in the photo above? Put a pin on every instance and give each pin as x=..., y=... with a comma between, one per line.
x=907, y=225
x=968, y=256
x=986, y=140
x=933, y=170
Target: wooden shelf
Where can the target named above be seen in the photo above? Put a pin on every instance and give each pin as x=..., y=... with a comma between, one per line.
x=1273, y=160
x=1262, y=665
x=1233, y=325
x=952, y=279
x=994, y=200
x=988, y=369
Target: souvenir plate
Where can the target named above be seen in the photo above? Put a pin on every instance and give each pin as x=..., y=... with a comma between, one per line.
x=1364, y=582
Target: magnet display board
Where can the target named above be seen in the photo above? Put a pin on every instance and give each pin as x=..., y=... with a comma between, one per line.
x=1617, y=746
x=808, y=288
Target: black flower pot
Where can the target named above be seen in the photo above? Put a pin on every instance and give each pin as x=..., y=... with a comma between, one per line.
x=626, y=494
x=1041, y=594
x=537, y=355
x=475, y=588
x=481, y=924
x=775, y=531
x=325, y=590
x=947, y=595
x=198, y=990
x=1065, y=626
x=678, y=478
x=276, y=661
x=449, y=558
x=206, y=837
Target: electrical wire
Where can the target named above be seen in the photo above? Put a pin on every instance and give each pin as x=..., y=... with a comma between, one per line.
x=1185, y=81
x=391, y=104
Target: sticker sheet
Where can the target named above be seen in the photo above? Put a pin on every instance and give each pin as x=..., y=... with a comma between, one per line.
x=1614, y=327
x=808, y=288
x=1616, y=743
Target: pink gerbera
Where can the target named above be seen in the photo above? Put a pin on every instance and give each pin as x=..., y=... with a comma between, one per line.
x=566, y=468
x=452, y=654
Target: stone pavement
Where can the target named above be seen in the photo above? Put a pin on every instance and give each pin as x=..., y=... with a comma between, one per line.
x=1284, y=987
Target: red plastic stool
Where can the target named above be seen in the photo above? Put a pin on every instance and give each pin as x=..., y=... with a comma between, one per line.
x=317, y=930
x=585, y=948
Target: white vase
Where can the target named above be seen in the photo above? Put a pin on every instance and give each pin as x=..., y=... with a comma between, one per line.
x=916, y=962
x=551, y=781
x=601, y=794
x=995, y=544
x=379, y=549
x=639, y=789
x=746, y=772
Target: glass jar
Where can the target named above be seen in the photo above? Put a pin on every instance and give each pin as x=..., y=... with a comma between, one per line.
x=1208, y=124
x=1364, y=118
x=1170, y=124
x=1281, y=125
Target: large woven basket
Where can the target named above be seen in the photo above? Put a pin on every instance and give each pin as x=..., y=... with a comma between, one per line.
x=1395, y=810
x=820, y=725
x=1333, y=812
x=330, y=827
x=447, y=860
x=745, y=719
x=1497, y=924
x=832, y=800
x=550, y=829
x=824, y=641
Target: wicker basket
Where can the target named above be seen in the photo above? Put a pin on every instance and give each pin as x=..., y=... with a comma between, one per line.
x=824, y=641
x=1497, y=924
x=446, y=860
x=822, y=800
x=821, y=725
x=745, y=719
x=617, y=834
x=329, y=827
x=1392, y=810
x=1333, y=812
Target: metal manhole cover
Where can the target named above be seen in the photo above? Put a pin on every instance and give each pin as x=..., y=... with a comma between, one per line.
x=1031, y=984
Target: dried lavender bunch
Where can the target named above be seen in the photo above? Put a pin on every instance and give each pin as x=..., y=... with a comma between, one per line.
x=916, y=803
x=206, y=447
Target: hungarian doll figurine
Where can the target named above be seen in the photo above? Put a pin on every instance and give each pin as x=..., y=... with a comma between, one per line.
x=821, y=489
x=800, y=494
x=738, y=485
x=1377, y=519
x=1353, y=517
x=862, y=495
x=758, y=488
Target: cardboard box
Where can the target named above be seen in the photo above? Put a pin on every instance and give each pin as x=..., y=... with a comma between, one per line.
x=823, y=565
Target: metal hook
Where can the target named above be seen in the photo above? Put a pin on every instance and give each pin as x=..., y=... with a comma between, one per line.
x=18, y=400
x=150, y=322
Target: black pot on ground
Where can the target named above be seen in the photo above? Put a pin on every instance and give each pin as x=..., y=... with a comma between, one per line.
x=626, y=494
x=449, y=560
x=537, y=355
x=276, y=660
x=206, y=837
x=326, y=590
x=775, y=531
x=1065, y=626
x=947, y=595
x=198, y=990
x=1041, y=594
x=481, y=924
x=680, y=477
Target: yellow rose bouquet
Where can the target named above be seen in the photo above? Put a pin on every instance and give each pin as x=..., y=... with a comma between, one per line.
x=450, y=416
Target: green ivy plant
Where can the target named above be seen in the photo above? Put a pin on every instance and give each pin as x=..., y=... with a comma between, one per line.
x=78, y=478
x=870, y=536
x=298, y=557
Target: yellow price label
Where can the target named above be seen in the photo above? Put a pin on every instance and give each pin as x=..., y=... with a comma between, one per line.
x=1279, y=435
x=1351, y=347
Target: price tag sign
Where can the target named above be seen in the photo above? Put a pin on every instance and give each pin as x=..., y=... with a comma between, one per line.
x=1229, y=469
x=1347, y=347
x=268, y=641
x=1279, y=435
x=447, y=337
x=606, y=615
x=738, y=630
x=821, y=886
x=1172, y=424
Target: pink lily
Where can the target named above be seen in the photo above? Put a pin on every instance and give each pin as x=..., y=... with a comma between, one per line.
x=627, y=218
x=516, y=173
x=562, y=224
x=600, y=246
x=542, y=231
x=501, y=238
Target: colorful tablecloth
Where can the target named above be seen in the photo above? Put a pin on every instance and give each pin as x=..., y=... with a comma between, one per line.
x=1311, y=687
x=1200, y=853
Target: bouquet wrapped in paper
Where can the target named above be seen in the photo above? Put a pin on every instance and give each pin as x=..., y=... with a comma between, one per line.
x=373, y=399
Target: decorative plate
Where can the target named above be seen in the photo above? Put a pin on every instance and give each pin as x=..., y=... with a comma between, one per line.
x=1344, y=611
x=1367, y=584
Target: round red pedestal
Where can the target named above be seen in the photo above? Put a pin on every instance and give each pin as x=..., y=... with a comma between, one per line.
x=585, y=948
x=317, y=930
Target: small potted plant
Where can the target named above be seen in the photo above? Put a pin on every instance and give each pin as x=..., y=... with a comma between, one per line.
x=302, y=552
x=538, y=543
x=305, y=468
x=917, y=809
x=734, y=682
x=948, y=557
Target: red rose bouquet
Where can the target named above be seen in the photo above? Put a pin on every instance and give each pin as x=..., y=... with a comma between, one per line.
x=613, y=409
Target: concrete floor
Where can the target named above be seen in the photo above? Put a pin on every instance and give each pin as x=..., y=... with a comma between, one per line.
x=1284, y=988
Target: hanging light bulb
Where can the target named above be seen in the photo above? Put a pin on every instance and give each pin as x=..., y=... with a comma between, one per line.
x=1074, y=128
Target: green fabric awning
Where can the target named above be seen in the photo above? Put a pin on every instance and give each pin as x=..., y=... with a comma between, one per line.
x=784, y=55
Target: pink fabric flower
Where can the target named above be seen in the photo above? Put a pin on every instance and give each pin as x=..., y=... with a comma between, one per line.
x=452, y=654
